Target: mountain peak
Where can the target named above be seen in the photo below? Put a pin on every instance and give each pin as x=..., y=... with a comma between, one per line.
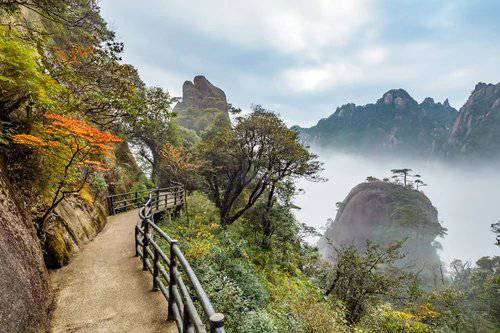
x=201, y=98
x=398, y=98
x=428, y=101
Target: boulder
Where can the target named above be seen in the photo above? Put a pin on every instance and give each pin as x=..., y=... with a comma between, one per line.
x=368, y=213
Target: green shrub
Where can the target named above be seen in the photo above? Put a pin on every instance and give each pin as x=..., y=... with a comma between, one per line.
x=259, y=322
x=385, y=319
x=257, y=290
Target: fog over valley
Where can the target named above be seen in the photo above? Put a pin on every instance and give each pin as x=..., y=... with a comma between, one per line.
x=466, y=197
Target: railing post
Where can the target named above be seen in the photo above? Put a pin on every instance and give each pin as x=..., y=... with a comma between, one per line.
x=216, y=321
x=136, y=232
x=186, y=319
x=111, y=206
x=136, y=199
x=156, y=262
x=173, y=281
x=145, y=243
x=157, y=199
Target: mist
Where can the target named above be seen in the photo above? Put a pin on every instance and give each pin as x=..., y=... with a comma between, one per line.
x=466, y=197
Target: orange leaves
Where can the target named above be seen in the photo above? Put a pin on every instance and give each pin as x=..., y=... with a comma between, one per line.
x=75, y=54
x=180, y=164
x=78, y=128
x=180, y=158
x=96, y=165
x=29, y=140
x=72, y=140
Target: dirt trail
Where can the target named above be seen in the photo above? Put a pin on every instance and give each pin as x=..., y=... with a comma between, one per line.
x=104, y=289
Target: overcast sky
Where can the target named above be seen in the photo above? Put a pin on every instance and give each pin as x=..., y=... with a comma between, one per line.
x=302, y=59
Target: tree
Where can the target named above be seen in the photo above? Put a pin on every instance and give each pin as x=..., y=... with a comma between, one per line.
x=419, y=183
x=495, y=227
x=151, y=128
x=22, y=78
x=76, y=49
x=250, y=158
x=359, y=278
x=73, y=151
x=398, y=173
x=180, y=164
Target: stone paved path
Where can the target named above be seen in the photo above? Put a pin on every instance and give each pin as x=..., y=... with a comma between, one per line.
x=103, y=289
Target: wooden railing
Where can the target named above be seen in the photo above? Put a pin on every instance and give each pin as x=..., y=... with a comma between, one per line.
x=171, y=272
x=162, y=198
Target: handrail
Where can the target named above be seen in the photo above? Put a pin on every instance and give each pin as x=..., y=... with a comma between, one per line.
x=168, y=269
x=122, y=202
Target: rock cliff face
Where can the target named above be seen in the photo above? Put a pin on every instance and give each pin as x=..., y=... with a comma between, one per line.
x=77, y=222
x=81, y=217
x=382, y=213
x=24, y=283
x=26, y=294
x=476, y=132
x=202, y=104
x=396, y=123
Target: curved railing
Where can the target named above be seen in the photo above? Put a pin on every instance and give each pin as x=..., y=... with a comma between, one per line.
x=172, y=273
x=162, y=197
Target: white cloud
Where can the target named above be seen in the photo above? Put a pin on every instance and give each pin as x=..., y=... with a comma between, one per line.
x=302, y=27
x=310, y=55
x=323, y=77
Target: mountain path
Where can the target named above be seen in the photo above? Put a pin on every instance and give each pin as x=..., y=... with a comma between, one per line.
x=103, y=289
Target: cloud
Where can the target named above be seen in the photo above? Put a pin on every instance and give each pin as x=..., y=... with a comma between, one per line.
x=304, y=58
x=301, y=27
x=339, y=72
x=323, y=77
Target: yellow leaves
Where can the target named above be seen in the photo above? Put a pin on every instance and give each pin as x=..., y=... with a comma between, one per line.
x=399, y=321
x=86, y=195
x=29, y=140
x=179, y=159
x=427, y=312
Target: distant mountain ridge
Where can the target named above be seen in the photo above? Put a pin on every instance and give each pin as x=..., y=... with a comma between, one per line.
x=397, y=123
x=476, y=131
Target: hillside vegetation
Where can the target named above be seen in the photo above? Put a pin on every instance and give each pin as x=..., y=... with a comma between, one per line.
x=398, y=125
x=70, y=110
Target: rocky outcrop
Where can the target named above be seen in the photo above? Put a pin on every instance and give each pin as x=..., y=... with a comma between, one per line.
x=76, y=222
x=78, y=219
x=396, y=123
x=202, y=104
x=24, y=284
x=25, y=291
x=476, y=132
x=383, y=212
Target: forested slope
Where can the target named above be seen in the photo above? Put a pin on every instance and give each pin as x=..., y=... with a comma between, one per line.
x=77, y=123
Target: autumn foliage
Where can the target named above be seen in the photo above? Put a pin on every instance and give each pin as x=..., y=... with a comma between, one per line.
x=74, y=151
x=180, y=164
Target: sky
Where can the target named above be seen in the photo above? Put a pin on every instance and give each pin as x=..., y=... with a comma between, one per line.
x=304, y=58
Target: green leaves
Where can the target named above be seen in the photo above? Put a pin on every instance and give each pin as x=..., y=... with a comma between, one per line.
x=23, y=78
